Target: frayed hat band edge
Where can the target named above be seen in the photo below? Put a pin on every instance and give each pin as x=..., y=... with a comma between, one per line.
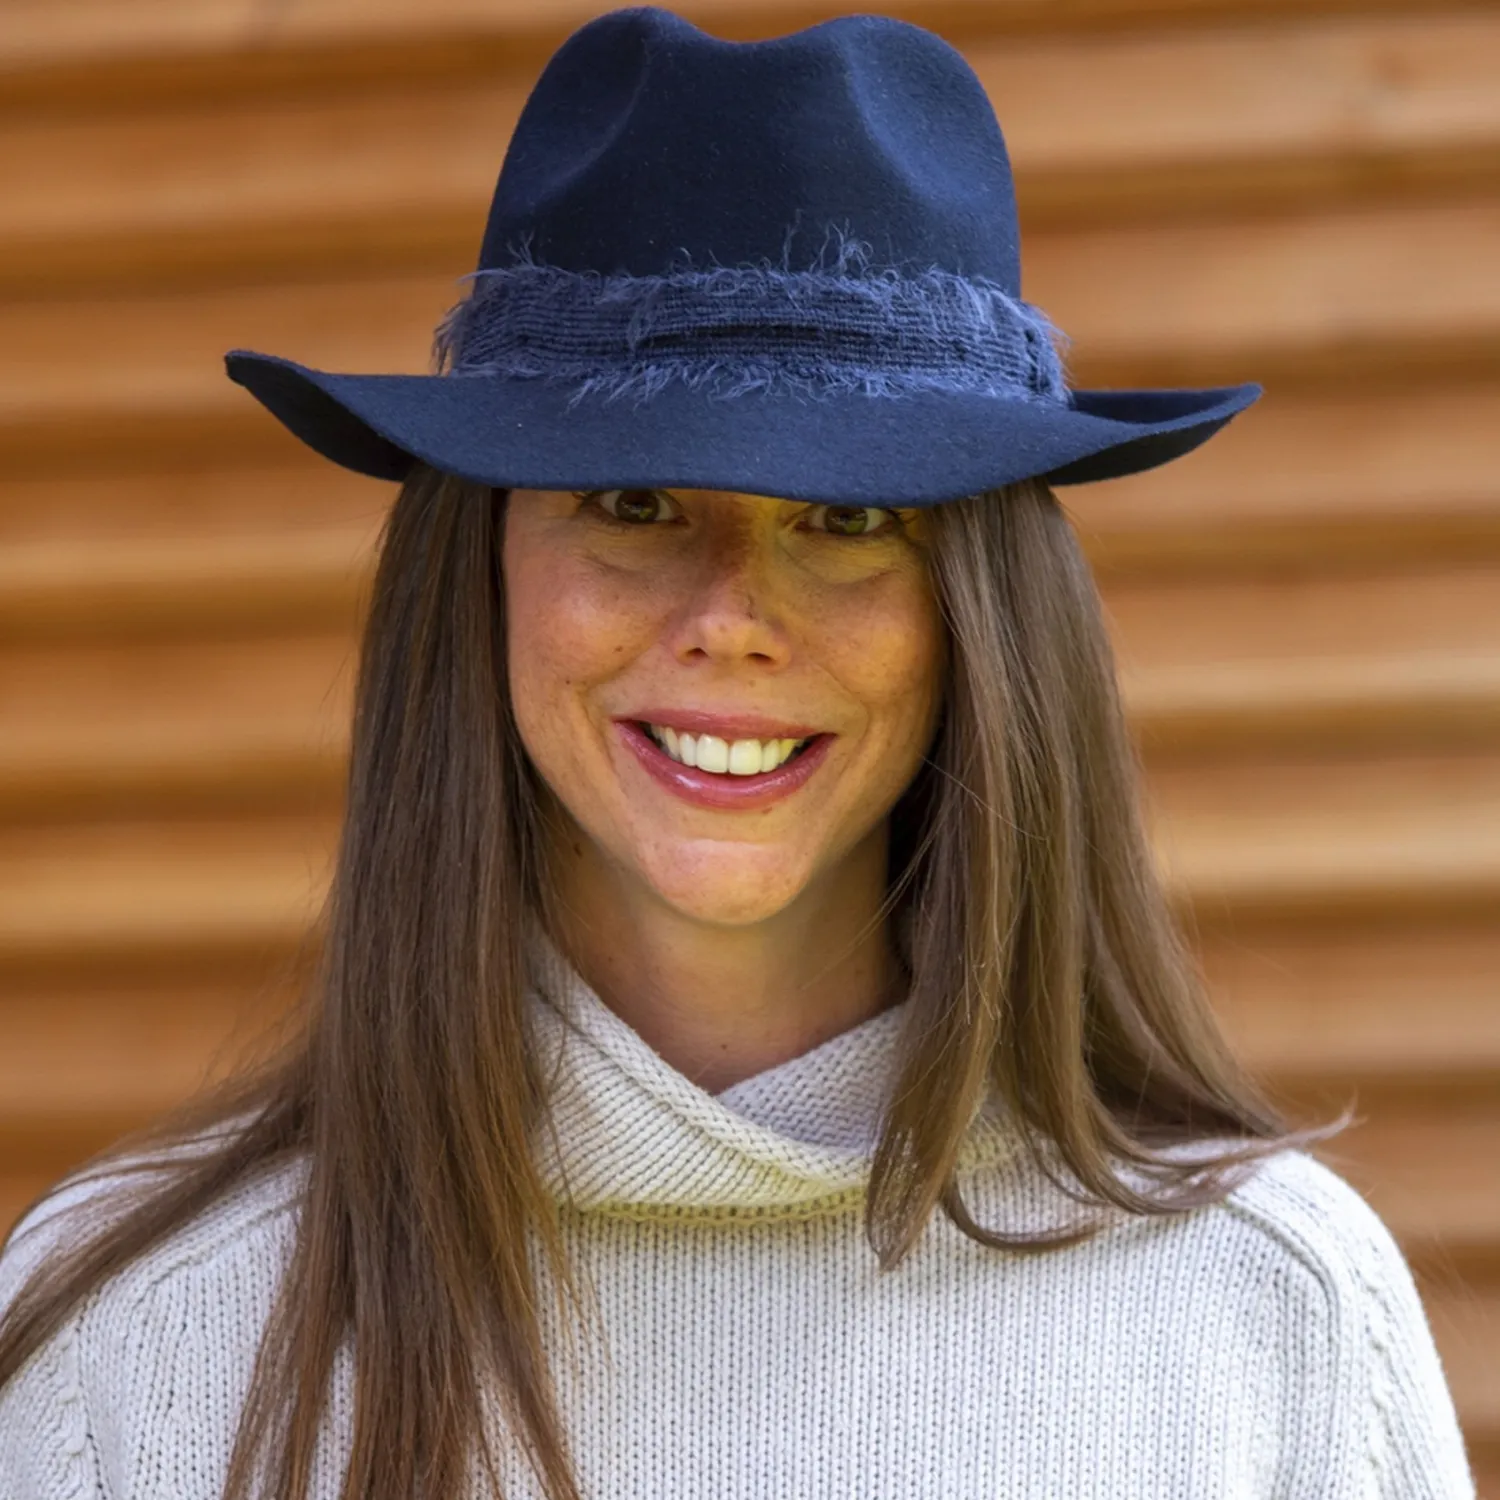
x=753, y=328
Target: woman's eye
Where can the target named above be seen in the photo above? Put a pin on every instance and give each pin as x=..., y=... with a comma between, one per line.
x=633, y=507
x=853, y=520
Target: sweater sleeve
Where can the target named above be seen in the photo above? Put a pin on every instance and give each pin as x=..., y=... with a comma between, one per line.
x=47, y=1447
x=1413, y=1443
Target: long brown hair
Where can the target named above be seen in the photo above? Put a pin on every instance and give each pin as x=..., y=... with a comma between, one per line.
x=1045, y=963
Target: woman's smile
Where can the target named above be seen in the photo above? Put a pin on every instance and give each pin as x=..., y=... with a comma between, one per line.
x=723, y=753
x=710, y=771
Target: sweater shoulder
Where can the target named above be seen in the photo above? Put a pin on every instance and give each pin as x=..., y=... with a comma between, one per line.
x=84, y=1204
x=1325, y=1242
x=1321, y=1221
x=1361, y=1312
x=75, y=1419
x=1326, y=1226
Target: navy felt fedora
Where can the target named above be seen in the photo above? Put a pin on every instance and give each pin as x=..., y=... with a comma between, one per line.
x=786, y=268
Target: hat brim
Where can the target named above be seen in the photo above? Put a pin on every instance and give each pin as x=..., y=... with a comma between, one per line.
x=842, y=449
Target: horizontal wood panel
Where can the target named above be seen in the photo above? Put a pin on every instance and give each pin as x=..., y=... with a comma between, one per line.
x=293, y=754
x=1314, y=838
x=167, y=583
x=1298, y=479
x=1413, y=701
x=196, y=550
x=126, y=693
x=165, y=353
x=1373, y=1003
x=1390, y=1012
x=1311, y=88
x=107, y=1060
x=51, y=34
x=1290, y=298
x=132, y=724
x=1297, y=615
x=51, y=516
x=238, y=885
x=1303, y=297
x=364, y=179
x=1327, y=480
x=334, y=183
x=1294, y=655
x=1430, y=1171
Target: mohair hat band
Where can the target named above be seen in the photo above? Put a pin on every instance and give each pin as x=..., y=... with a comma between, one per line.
x=839, y=328
x=640, y=316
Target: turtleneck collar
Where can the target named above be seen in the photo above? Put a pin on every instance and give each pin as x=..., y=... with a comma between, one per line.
x=832, y=1095
x=631, y=1136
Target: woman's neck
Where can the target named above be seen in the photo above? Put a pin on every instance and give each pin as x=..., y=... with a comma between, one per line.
x=720, y=1003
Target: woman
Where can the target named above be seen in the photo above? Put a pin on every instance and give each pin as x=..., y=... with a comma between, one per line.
x=743, y=933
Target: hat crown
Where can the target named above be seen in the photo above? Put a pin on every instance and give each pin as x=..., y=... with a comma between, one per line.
x=646, y=140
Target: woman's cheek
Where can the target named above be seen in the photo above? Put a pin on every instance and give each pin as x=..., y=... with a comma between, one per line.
x=579, y=627
x=891, y=657
x=549, y=652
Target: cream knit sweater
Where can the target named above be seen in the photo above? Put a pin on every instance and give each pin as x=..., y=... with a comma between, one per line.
x=1270, y=1346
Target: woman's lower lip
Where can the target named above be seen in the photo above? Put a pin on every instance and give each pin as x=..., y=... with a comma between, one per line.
x=715, y=789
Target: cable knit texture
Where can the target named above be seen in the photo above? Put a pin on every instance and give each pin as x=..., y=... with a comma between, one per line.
x=1272, y=1347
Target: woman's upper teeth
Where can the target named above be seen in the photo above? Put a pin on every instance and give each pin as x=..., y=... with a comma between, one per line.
x=707, y=752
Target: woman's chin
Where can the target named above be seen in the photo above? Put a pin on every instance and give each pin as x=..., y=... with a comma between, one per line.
x=732, y=892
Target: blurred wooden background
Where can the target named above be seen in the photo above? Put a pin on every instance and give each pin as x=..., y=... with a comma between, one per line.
x=1302, y=192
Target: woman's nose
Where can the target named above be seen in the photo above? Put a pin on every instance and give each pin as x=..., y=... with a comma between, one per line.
x=732, y=611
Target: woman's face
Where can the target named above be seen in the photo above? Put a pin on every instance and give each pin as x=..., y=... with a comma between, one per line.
x=642, y=616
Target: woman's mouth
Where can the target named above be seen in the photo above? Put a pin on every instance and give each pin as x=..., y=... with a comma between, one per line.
x=707, y=752
x=715, y=771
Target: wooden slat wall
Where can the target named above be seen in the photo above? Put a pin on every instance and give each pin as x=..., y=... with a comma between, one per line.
x=1307, y=611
